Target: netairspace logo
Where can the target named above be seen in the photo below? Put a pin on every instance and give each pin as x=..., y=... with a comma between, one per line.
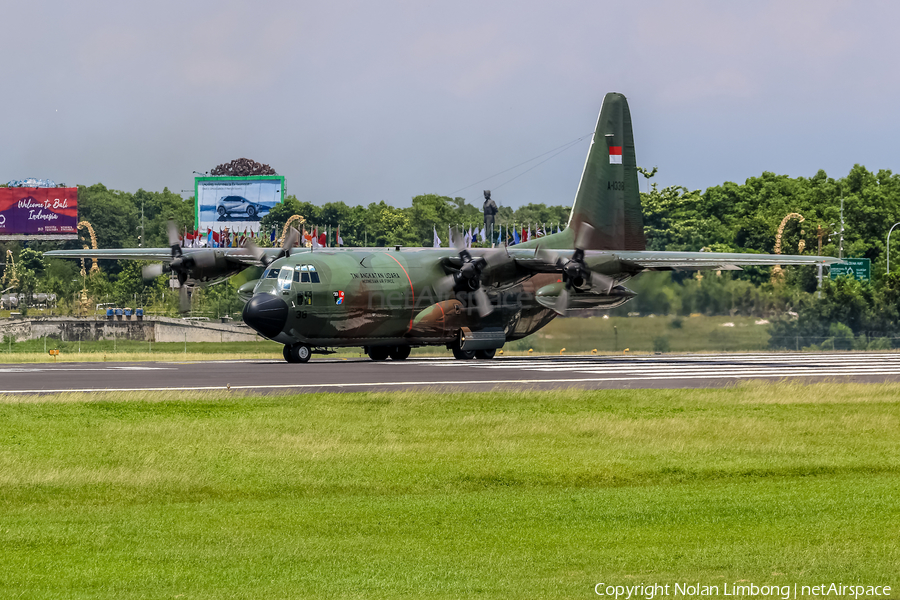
x=697, y=590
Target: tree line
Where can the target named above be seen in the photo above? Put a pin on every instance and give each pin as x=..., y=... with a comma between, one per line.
x=728, y=217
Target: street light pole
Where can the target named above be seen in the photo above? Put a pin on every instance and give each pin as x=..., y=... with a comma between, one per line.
x=888, y=270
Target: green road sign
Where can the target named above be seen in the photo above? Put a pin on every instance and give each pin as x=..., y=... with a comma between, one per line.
x=858, y=268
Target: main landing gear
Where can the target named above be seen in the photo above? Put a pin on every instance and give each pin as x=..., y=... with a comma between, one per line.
x=379, y=353
x=470, y=354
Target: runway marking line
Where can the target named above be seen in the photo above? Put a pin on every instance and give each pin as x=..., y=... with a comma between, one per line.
x=428, y=383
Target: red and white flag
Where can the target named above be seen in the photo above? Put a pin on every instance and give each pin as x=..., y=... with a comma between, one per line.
x=615, y=155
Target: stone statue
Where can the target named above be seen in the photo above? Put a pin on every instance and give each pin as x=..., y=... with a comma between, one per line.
x=490, y=209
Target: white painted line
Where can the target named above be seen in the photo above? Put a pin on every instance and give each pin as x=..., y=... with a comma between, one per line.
x=451, y=384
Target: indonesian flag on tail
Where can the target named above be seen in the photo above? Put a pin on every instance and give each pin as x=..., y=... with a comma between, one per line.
x=615, y=155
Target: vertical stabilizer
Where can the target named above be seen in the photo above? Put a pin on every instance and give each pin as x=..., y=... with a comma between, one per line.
x=608, y=197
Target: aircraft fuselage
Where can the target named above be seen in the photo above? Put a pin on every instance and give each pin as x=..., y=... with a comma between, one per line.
x=371, y=297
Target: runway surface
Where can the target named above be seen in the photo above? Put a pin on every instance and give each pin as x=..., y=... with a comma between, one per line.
x=336, y=375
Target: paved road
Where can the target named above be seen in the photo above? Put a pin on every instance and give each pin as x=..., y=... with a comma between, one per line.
x=589, y=372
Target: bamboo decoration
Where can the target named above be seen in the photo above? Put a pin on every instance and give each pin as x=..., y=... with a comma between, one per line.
x=777, y=271
x=95, y=267
x=300, y=220
x=10, y=275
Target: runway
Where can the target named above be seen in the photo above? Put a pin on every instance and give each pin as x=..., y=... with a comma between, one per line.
x=544, y=373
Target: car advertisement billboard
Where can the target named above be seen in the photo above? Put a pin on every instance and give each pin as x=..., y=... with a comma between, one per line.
x=238, y=203
x=39, y=213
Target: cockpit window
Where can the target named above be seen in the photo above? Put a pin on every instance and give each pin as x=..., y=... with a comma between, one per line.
x=306, y=274
x=270, y=274
x=285, y=277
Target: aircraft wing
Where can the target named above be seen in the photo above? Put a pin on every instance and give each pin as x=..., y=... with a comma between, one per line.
x=613, y=262
x=725, y=261
x=239, y=255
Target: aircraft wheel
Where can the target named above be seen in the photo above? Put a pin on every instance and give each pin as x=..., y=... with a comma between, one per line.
x=298, y=353
x=463, y=354
x=485, y=354
x=379, y=352
x=400, y=352
x=221, y=211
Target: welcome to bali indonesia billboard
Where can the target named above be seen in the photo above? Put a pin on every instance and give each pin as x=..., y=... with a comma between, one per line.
x=38, y=213
x=237, y=203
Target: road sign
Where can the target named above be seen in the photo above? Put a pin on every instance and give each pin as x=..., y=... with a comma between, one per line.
x=858, y=268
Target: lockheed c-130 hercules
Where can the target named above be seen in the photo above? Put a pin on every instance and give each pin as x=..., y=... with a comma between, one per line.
x=472, y=301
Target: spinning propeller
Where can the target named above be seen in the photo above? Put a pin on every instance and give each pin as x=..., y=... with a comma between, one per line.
x=290, y=240
x=575, y=273
x=181, y=264
x=468, y=278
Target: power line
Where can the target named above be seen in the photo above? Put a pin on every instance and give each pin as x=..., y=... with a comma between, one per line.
x=572, y=145
x=561, y=149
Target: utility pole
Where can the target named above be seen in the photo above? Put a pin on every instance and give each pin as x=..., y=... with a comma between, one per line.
x=841, y=235
x=821, y=232
x=141, y=237
x=888, y=270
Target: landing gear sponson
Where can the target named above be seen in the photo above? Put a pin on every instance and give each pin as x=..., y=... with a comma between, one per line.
x=379, y=353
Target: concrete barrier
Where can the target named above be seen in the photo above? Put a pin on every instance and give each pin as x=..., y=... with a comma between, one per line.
x=150, y=329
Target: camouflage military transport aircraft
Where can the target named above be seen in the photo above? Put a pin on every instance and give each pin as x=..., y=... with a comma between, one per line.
x=388, y=300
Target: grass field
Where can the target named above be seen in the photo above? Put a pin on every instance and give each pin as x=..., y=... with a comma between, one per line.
x=495, y=495
x=648, y=334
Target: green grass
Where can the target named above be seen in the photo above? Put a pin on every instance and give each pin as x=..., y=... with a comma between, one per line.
x=499, y=495
x=122, y=350
x=641, y=334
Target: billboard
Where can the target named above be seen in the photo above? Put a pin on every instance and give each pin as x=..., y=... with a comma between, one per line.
x=237, y=203
x=38, y=213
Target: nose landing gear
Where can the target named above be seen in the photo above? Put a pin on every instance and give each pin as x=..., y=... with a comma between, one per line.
x=298, y=353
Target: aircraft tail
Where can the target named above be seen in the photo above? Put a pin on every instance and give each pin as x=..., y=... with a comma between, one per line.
x=608, y=197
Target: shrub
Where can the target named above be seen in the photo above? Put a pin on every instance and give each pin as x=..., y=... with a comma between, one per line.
x=661, y=344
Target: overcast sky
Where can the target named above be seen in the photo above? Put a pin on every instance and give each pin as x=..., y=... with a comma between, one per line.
x=369, y=101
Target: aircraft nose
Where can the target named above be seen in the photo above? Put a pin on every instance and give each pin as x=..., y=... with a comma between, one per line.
x=266, y=313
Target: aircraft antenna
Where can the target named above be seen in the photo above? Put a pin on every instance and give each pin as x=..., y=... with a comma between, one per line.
x=561, y=149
